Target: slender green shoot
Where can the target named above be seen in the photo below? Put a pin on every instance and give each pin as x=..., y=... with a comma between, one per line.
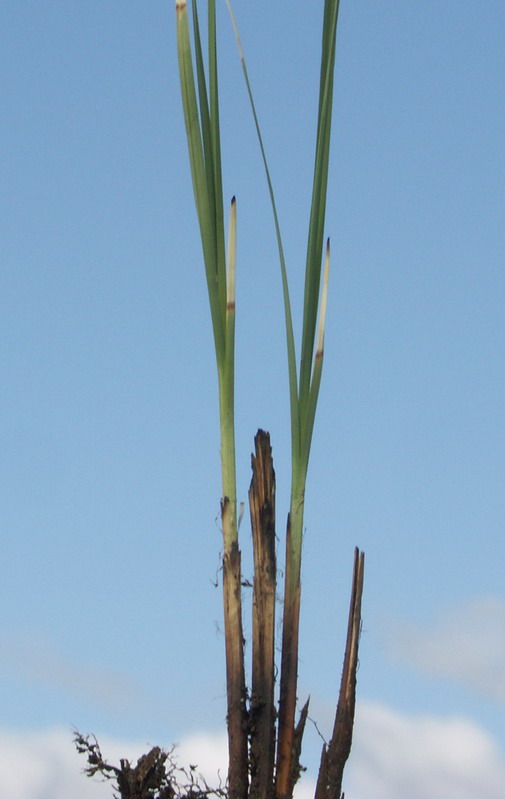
x=200, y=100
x=293, y=379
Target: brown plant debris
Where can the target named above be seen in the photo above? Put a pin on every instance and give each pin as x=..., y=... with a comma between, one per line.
x=296, y=766
x=156, y=775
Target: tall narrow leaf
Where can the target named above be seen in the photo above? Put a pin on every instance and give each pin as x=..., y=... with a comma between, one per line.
x=201, y=115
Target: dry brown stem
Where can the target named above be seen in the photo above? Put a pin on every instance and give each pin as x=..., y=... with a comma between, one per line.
x=334, y=756
x=262, y=708
x=237, y=718
x=289, y=676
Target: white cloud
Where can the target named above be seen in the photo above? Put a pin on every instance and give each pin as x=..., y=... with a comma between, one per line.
x=44, y=766
x=466, y=644
x=396, y=756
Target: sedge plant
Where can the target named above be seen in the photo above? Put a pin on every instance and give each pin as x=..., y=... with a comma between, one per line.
x=303, y=385
x=200, y=102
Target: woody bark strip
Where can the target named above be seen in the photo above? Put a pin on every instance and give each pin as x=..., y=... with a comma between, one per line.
x=289, y=662
x=262, y=711
x=235, y=677
x=334, y=757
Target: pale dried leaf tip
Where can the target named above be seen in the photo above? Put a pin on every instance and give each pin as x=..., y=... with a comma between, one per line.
x=180, y=5
x=235, y=29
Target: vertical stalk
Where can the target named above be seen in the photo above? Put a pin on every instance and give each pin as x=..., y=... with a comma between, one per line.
x=232, y=605
x=232, y=596
x=235, y=677
x=290, y=631
x=334, y=757
x=262, y=709
x=200, y=100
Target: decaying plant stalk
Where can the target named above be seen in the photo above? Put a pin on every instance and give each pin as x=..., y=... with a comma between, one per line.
x=262, y=709
x=334, y=756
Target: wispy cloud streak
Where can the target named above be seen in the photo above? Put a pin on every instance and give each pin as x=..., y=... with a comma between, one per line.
x=466, y=644
x=37, y=660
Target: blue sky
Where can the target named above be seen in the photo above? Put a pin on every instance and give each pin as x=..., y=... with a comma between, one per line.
x=109, y=461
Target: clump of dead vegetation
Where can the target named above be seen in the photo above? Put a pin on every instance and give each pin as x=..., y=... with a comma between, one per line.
x=155, y=776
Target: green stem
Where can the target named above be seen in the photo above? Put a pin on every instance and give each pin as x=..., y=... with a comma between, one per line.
x=201, y=114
